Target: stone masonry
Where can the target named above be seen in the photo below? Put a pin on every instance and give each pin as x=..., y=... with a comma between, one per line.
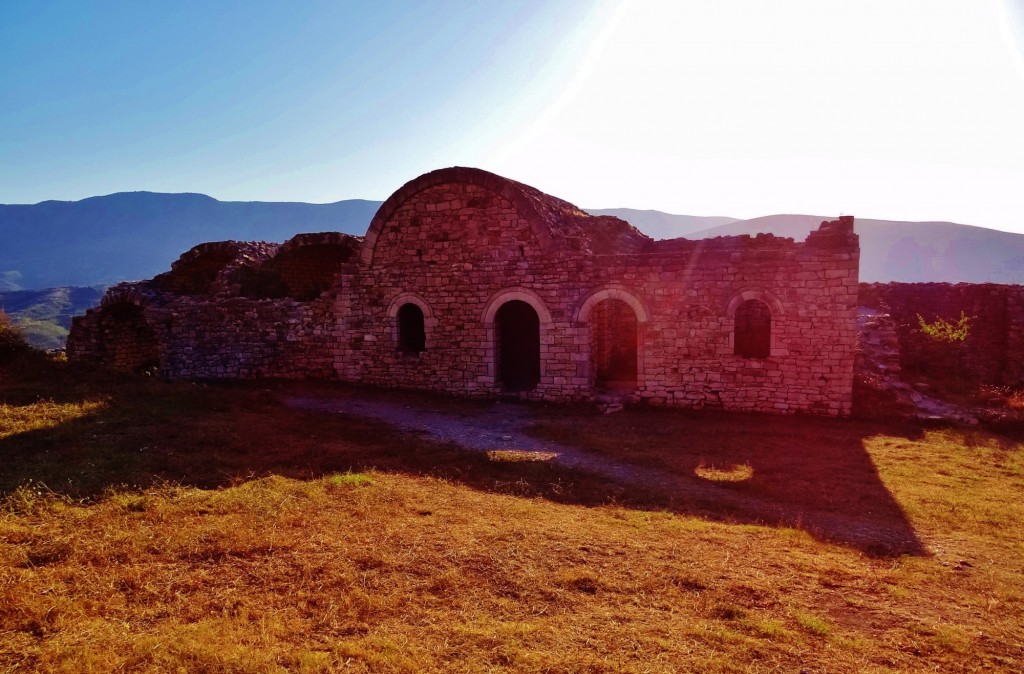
x=993, y=351
x=516, y=293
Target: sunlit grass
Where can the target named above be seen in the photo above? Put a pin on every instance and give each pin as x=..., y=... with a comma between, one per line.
x=734, y=473
x=41, y=415
x=181, y=528
x=519, y=455
x=813, y=623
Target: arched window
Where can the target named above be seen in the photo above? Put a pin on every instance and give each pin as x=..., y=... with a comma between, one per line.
x=753, y=338
x=412, y=337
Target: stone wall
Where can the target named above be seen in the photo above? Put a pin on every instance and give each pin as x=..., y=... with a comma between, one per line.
x=510, y=280
x=125, y=342
x=993, y=352
x=237, y=339
x=460, y=251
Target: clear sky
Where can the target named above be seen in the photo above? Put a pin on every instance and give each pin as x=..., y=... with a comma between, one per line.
x=901, y=109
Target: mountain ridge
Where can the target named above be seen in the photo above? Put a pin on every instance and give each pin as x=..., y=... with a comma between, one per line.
x=133, y=235
x=130, y=235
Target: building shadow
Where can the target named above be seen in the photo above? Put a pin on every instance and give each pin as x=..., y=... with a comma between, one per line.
x=811, y=474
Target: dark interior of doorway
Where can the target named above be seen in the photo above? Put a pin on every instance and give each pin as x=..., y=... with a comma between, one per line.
x=518, y=332
x=614, y=339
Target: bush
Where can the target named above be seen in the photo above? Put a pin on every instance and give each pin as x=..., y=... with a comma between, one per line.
x=12, y=342
x=946, y=331
x=944, y=354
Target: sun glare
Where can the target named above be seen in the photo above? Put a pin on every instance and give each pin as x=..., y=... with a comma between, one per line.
x=1011, y=23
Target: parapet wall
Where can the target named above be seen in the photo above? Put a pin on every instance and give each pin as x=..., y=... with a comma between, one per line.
x=992, y=353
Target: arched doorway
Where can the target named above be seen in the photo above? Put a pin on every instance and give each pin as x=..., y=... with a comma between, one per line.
x=613, y=336
x=517, y=332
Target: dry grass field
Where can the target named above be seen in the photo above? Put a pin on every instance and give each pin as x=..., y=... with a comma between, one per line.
x=159, y=527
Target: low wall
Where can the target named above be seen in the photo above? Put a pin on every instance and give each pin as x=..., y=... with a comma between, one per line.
x=992, y=353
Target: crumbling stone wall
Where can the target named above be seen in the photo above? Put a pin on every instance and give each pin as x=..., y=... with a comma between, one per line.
x=993, y=352
x=520, y=293
x=205, y=327
x=127, y=342
x=195, y=272
x=303, y=268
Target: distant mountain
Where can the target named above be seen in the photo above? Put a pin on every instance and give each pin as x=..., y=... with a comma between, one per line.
x=44, y=316
x=660, y=225
x=895, y=250
x=135, y=235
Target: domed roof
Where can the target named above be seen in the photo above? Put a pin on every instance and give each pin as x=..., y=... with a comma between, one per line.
x=556, y=222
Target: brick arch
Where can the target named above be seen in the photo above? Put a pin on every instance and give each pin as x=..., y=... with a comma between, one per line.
x=741, y=296
x=619, y=293
x=509, y=294
x=775, y=306
x=429, y=321
x=612, y=292
x=508, y=189
x=494, y=303
x=409, y=298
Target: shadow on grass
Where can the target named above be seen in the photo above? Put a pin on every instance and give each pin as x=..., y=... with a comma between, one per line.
x=812, y=474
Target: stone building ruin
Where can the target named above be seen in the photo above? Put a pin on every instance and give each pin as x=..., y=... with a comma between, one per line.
x=472, y=284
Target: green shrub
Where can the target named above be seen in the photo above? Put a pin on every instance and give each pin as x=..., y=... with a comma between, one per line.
x=942, y=330
x=945, y=355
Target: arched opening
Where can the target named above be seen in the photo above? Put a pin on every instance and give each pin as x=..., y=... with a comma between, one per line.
x=517, y=330
x=753, y=336
x=128, y=343
x=412, y=334
x=613, y=339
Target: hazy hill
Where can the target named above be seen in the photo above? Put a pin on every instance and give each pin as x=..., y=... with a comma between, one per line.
x=661, y=225
x=894, y=250
x=135, y=235
x=44, y=316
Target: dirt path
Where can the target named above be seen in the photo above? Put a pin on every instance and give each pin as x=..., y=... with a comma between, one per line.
x=502, y=426
x=489, y=427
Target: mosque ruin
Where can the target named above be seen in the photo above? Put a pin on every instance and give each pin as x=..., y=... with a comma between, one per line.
x=472, y=284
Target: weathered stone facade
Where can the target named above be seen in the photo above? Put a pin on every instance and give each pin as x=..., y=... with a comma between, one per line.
x=993, y=351
x=472, y=284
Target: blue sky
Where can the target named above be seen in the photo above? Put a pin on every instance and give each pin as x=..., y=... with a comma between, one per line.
x=908, y=109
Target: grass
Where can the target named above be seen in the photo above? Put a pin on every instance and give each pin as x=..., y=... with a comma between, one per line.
x=147, y=526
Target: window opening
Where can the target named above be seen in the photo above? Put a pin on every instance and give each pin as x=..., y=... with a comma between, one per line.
x=412, y=336
x=753, y=337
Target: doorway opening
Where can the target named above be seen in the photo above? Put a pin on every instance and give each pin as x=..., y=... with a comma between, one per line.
x=613, y=336
x=517, y=329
